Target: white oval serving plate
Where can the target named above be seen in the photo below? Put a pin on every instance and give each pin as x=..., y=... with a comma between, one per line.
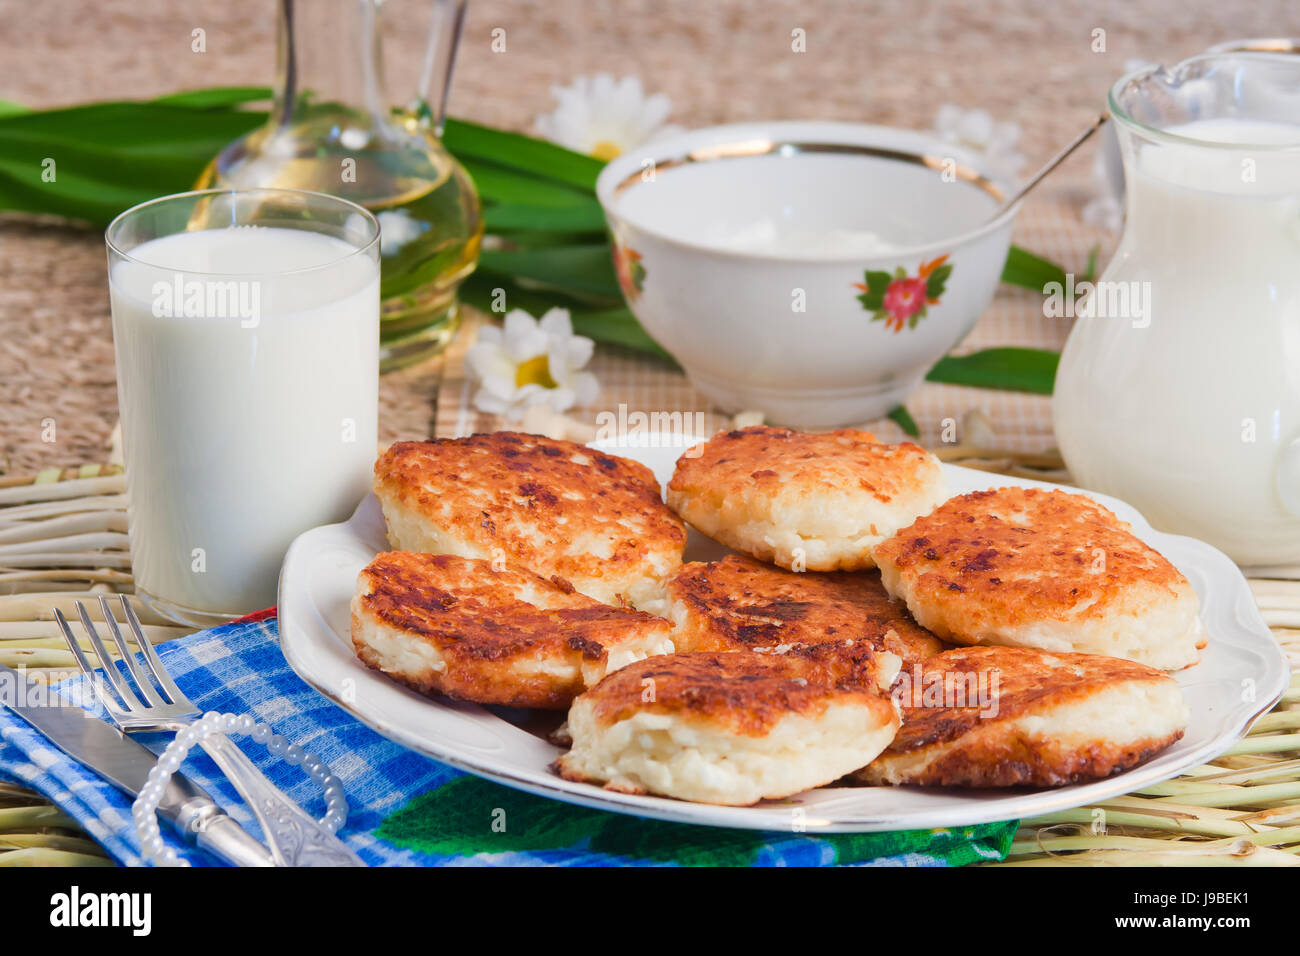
x=1241, y=674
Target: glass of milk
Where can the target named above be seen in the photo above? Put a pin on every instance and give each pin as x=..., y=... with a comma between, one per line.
x=246, y=331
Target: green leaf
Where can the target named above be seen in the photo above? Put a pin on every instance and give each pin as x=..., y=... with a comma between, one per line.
x=903, y=419
x=9, y=108
x=72, y=195
x=878, y=281
x=577, y=218
x=934, y=285
x=517, y=151
x=1029, y=271
x=484, y=292
x=217, y=97
x=609, y=326
x=515, y=239
x=133, y=129
x=94, y=181
x=1012, y=369
x=499, y=184
x=617, y=327
x=110, y=156
x=580, y=269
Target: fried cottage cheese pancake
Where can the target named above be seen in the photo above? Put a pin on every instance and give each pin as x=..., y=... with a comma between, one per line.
x=1009, y=716
x=808, y=501
x=1045, y=569
x=459, y=627
x=731, y=728
x=740, y=604
x=553, y=507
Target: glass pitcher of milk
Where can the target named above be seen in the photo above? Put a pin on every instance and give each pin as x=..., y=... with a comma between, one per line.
x=1179, y=387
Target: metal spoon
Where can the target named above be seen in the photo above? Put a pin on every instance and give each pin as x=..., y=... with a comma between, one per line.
x=1049, y=166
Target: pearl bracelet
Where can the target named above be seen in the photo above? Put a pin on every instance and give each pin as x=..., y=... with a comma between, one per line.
x=145, y=808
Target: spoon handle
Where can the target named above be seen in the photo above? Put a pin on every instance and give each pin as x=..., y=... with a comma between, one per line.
x=1051, y=165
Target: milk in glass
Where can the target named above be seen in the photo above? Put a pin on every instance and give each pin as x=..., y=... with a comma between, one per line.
x=248, y=388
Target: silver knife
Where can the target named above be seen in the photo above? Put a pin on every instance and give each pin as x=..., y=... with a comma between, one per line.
x=126, y=764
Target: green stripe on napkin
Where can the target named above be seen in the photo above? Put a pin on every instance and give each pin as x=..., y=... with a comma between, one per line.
x=468, y=816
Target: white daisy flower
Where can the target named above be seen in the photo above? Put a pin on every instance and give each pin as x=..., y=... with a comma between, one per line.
x=604, y=117
x=976, y=130
x=527, y=362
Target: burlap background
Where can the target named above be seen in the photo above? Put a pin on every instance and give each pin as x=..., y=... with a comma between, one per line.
x=892, y=62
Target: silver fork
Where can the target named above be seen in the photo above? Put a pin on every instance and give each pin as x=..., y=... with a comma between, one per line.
x=293, y=836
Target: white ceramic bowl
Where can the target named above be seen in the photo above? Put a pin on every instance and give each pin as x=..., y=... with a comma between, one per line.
x=741, y=249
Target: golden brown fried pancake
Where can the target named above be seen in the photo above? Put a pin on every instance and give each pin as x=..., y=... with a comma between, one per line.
x=1009, y=716
x=456, y=626
x=738, y=604
x=553, y=507
x=730, y=728
x=1046, y=569
x=815, y=502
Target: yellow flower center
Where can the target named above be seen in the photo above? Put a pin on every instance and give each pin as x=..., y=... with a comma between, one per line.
x=535, y=371
x=606, y=150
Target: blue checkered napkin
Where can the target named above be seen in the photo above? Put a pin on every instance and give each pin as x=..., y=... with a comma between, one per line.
x=406, y=809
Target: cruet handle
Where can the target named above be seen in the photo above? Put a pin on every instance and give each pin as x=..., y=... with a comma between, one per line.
x=430, y=104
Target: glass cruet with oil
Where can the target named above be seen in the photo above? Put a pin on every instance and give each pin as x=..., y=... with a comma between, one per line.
x=332, y=130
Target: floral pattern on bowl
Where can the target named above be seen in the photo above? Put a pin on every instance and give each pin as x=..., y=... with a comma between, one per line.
x=630, y=271
x=900, y=299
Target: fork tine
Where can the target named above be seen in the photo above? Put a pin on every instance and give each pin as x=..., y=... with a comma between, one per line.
x=110, y=671
x=73, y=646
x=96, y=687
x=151, y=656
x=141, y=681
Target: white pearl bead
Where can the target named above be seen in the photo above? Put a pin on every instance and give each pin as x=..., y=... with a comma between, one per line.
x=144, y=810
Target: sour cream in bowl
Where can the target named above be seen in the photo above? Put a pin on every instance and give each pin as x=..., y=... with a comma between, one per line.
x=813, y=271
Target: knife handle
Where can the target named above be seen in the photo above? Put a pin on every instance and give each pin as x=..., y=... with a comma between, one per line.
x=294, y=837
x=225, y=839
